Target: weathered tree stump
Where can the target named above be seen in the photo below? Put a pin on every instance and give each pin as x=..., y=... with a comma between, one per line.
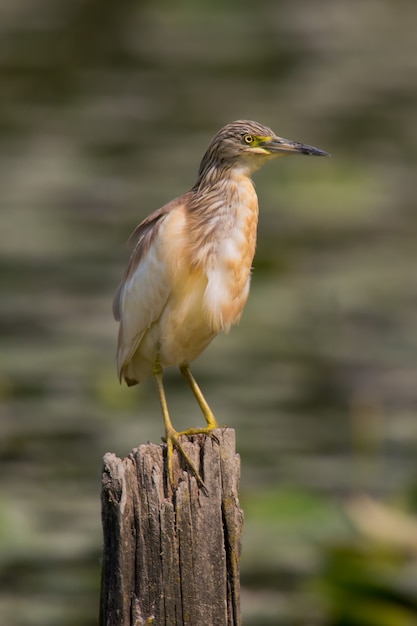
x=171, y=557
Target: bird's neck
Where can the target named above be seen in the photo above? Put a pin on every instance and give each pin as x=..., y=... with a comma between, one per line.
x=218, y=174
x=220, y=193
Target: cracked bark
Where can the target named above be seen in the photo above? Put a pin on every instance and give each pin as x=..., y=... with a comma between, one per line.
x=171, y=557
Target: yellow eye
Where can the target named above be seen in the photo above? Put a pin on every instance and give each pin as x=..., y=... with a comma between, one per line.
x=248, y=139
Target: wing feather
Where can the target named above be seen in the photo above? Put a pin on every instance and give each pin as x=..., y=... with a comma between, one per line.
x=142, y=295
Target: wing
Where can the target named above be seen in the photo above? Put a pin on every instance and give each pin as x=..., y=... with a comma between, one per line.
x=145, y=289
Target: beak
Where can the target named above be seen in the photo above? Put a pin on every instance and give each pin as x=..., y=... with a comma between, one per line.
x=285, y=147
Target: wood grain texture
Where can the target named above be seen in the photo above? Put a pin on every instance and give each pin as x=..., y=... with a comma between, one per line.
x=171, y=557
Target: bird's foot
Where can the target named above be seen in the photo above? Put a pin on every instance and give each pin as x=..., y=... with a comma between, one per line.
x=207, y=430
x=172, y=440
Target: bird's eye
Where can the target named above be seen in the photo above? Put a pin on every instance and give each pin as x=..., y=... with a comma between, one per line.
x=248, y=139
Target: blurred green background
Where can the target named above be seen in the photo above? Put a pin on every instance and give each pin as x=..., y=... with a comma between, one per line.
x=106, y=109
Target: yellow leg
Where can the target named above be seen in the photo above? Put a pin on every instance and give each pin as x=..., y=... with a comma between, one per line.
x=207, y=412
x=171, y=435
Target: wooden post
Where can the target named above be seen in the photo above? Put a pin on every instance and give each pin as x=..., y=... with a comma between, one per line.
x=171, y=557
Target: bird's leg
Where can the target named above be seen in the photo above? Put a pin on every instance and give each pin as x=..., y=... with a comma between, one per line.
x=171, y=435
x=207, y=412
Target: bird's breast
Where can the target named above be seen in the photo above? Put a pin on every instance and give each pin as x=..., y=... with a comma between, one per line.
x=228, y=265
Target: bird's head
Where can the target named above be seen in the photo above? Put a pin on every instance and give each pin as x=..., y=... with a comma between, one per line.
x=247, y=145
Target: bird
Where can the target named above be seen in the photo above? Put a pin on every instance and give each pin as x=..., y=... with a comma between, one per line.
x=189, y=273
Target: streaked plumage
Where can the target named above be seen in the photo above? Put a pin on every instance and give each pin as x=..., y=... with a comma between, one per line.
x=189, y=273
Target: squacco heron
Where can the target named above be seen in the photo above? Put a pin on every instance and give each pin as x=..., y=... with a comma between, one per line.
x=189, y=273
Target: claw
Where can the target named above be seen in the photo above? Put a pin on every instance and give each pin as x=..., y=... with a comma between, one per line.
x=172, y=440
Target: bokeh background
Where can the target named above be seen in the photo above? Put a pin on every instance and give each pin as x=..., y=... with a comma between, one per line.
x=106, y=108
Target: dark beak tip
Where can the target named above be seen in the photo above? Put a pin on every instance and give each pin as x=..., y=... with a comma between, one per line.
x=310, y=151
